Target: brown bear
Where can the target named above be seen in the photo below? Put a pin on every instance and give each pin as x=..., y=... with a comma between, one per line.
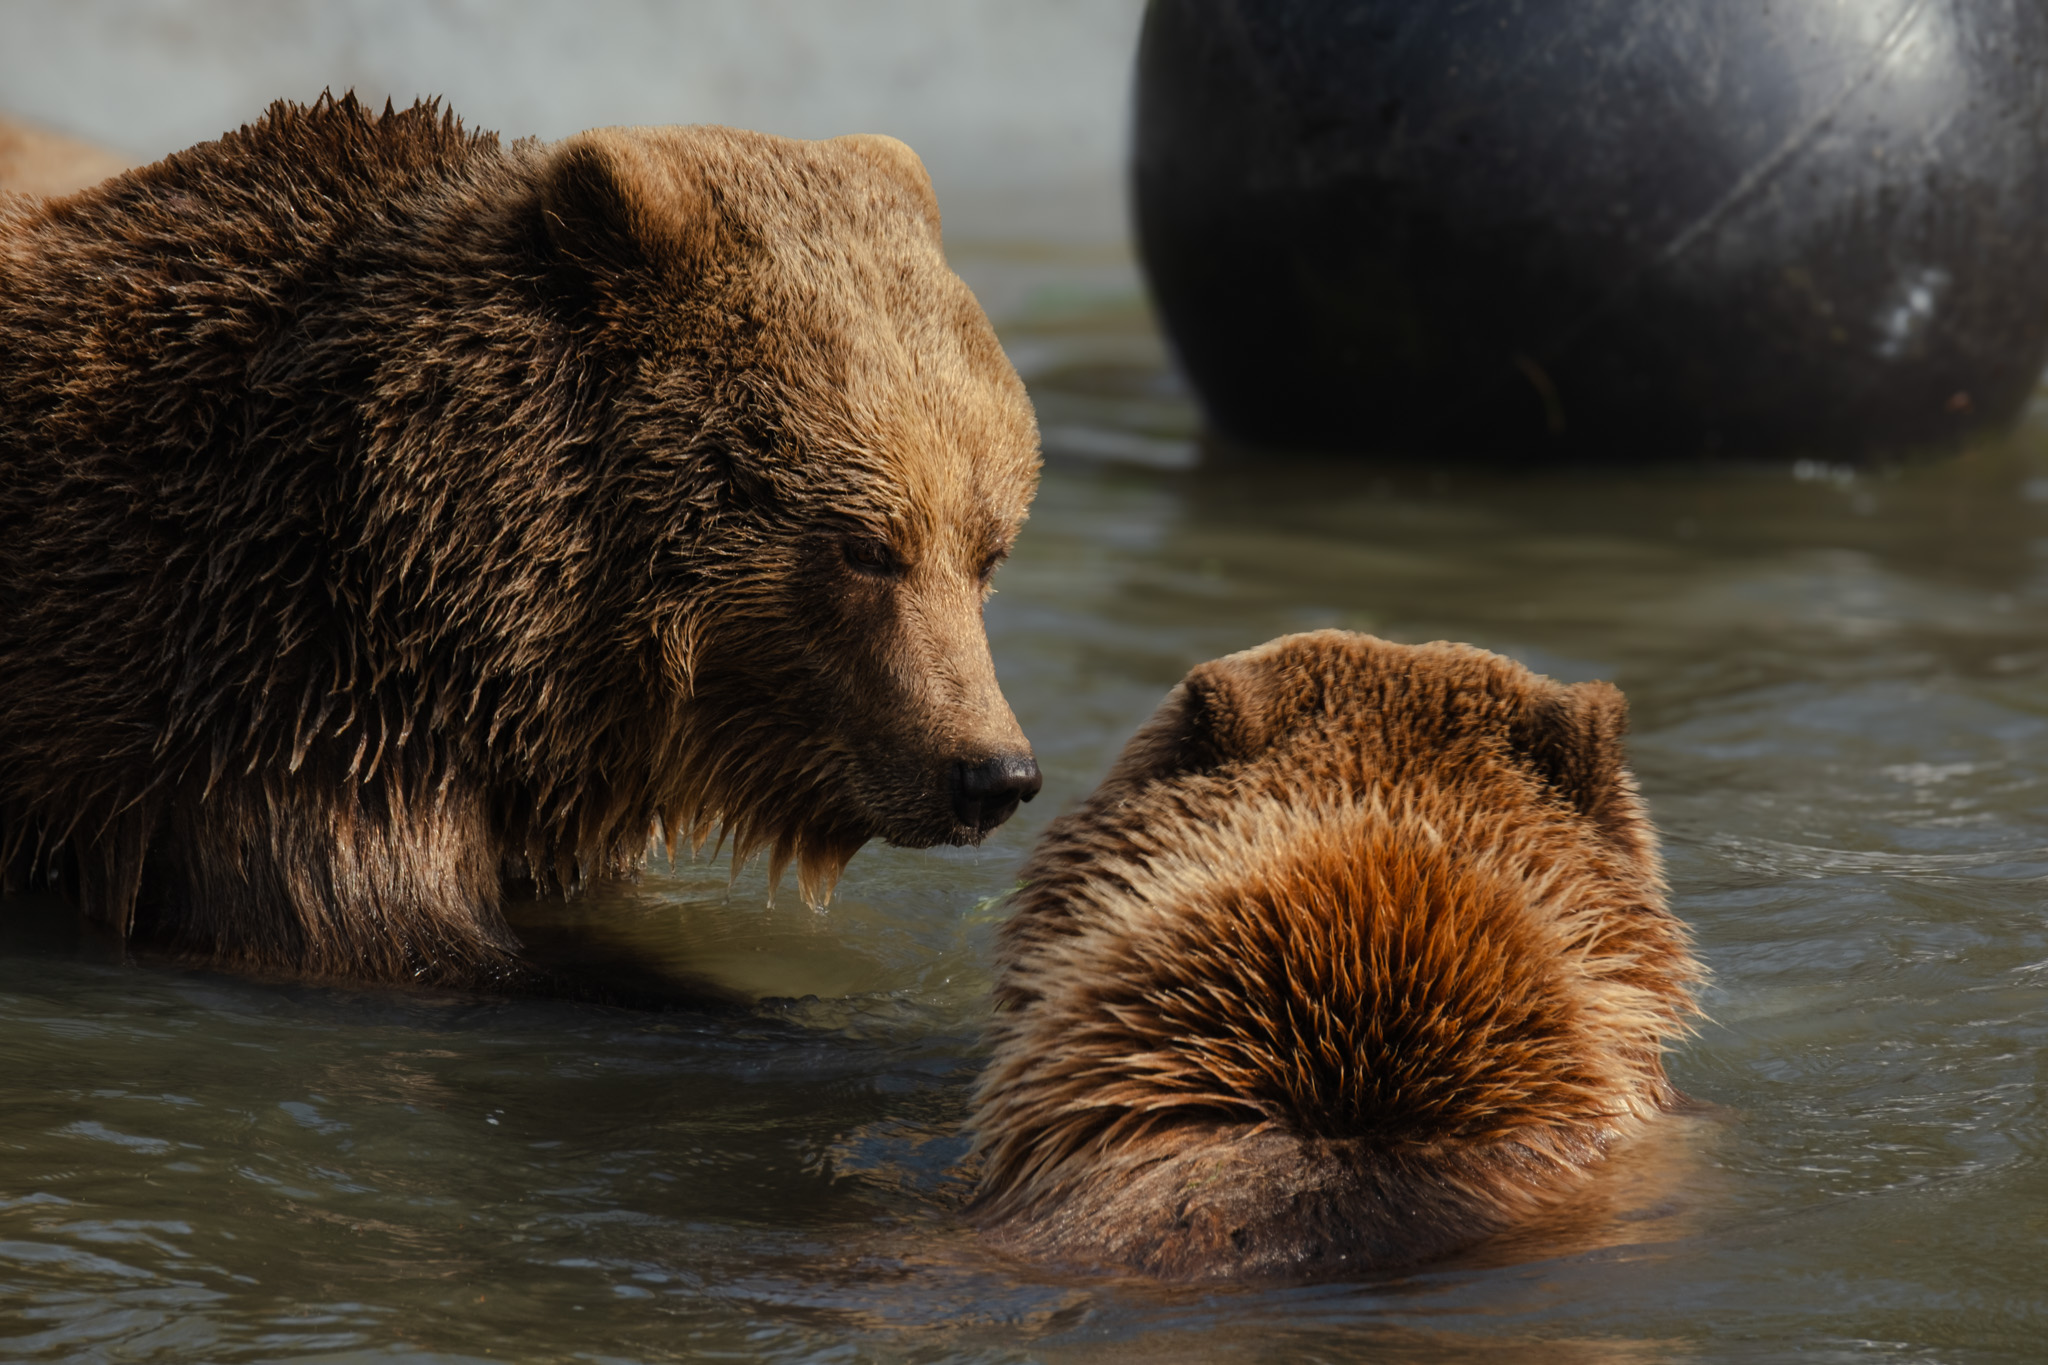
x=36, y=161
x=390, y=518
x=1358, y=956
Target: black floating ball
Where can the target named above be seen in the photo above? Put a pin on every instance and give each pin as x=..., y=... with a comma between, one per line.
x=1630, y=228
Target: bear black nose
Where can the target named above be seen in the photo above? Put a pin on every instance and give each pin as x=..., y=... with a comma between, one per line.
x=986, y=793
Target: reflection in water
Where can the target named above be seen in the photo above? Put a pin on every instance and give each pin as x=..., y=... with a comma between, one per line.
x=1841, y=721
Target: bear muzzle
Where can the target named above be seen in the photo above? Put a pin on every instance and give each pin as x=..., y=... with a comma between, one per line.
x=987, y=793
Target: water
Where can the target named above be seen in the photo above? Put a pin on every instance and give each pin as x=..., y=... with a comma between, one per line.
x=1840, y=691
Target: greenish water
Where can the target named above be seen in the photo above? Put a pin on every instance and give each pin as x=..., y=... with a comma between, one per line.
x=1840, y=690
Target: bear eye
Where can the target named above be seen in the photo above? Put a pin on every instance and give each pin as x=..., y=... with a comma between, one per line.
x=992, y=563
x=873, y=557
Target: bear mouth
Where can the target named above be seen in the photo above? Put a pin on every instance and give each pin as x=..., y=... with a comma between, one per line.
x=936, y=834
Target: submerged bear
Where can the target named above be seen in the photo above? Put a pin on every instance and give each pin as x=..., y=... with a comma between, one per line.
x=1357, y=957
x=390, y=518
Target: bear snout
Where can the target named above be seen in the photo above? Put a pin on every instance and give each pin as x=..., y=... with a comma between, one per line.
x=986, y=793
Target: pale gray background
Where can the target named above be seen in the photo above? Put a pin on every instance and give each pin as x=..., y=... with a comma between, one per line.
x=1020, y=108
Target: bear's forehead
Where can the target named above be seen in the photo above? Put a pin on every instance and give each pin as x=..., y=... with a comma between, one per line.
x=880, y=356
x=1342, y=690
x=920, y=388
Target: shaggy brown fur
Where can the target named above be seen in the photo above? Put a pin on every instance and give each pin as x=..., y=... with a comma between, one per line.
x=1358, y=955
x=36, y=161
x=386, y=514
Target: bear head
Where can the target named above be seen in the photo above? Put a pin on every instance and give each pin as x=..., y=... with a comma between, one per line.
x=1359, y=954
x=829, y=455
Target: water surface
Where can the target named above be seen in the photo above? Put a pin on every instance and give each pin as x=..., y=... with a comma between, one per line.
x=1840, y=693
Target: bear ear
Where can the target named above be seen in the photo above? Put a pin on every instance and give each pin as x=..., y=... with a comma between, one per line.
x=899, y=165
x=626, y=202
x=1572, y=738
x=1219, y=713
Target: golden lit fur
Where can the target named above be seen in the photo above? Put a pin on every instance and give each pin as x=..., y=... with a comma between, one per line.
x=1358, y=955
x=392, y=520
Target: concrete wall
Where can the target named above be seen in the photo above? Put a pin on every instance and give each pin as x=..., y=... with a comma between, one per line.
x=1019, y=107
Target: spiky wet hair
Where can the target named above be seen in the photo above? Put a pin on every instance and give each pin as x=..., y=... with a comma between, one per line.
x=379, y=503
x=1359, y=954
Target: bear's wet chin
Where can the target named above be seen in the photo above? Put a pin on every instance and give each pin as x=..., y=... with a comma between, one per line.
x=933, y=833
x=953, y=836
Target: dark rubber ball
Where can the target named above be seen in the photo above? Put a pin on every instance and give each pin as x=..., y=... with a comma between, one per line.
x=1620, y=228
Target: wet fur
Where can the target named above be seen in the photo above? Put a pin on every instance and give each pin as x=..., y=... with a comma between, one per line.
x=389, y=517
x=1359, y=955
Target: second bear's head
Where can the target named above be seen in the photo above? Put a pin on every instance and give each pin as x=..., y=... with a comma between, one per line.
x=828, y=456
